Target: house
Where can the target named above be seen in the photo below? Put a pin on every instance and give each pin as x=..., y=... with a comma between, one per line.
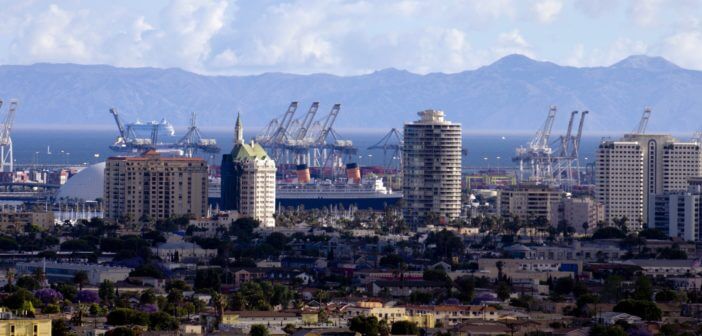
x=451, y=315
x=274, y=321
x=311, y=263
x=481, y=329
x=405, y=288
x=326, y=332
x=242, y=275
x=610, y=318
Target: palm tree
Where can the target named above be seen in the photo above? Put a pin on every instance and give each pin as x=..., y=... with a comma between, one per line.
x=499, y=264
x=220, y=303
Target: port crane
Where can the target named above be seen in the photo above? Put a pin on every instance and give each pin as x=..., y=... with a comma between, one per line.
x=6, y=153
x=140, y=136
x=557, y=167
x=306, y=140
x=538, y=152
x=643, y=122
x=193, y=141
x=391, y=143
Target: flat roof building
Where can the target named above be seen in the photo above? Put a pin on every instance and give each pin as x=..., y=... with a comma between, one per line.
x=152, y=187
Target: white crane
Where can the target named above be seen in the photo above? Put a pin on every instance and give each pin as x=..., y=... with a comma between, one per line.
x=6, y=156
x=641, y=129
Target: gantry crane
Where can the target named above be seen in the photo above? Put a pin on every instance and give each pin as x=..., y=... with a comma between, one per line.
x=392, y=142
x=643, y=122
x=6, y=153
x=193, y=141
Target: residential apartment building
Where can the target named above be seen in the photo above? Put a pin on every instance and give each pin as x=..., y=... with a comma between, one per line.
x=248, y=180
x=431, y=159
x=582, y=213
x=629, y=172
x=154, y=187
x=619, y=179
x=530, y=203
x=678, y=214
x=12, y=221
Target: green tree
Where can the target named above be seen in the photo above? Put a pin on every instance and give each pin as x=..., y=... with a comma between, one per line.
x=60, y=328
x=404, y=328
x=126, y=316
x=666, y=295
x=366, y=325
x=28, y=282
x=601, y=330
x=162, y=321
x=644, y=309
x=503, y=290
x=643, y=289
x=80, y=278
x=564, y=286
x=107, y=292
x=259, y=330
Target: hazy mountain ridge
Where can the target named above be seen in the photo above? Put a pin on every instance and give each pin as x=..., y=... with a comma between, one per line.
x=512, y=94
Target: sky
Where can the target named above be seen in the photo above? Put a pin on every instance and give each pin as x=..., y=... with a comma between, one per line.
x=218, y=37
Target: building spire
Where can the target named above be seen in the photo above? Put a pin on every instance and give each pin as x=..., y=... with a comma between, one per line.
x=238, y=131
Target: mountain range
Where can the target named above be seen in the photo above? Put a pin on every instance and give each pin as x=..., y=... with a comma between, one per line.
x=510, y=95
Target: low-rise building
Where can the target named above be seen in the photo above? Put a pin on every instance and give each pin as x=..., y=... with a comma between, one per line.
x=451, y=315
x=25, y=327
x=666, y=267
x=529, y=203
x=64, y=272
x=183, y=251
x=16, y=221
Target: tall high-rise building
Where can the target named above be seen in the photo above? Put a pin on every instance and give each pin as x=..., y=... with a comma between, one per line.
x=632, y=170
x=431, y=170
x=154, y=187
x=248, y=180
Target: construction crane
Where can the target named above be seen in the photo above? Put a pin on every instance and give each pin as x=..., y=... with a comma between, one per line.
x=641, y=129
x=6, y=154
x=391, y=142
x=193, y=141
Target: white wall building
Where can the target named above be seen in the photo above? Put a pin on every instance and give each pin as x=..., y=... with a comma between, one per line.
x=431, y=159
x=631, y=171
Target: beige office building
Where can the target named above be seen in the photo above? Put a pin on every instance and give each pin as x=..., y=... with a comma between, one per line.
x=155, y=187
x=630, y=171
x=431, y=159
x=530, y=203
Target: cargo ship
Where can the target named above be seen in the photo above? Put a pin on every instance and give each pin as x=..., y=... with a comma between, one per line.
x=363, y=193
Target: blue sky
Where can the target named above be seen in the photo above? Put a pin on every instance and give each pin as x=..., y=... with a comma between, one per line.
x=346, y=37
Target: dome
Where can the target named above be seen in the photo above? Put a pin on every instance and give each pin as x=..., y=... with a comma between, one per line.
x=86, y=185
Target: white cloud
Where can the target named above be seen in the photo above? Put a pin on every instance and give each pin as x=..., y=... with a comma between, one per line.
x=547, y=10
x=512, y=42
x=645, y=12
x=684, y=48
x=596, y=8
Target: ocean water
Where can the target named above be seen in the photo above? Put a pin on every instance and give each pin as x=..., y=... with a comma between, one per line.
x=92, y=146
